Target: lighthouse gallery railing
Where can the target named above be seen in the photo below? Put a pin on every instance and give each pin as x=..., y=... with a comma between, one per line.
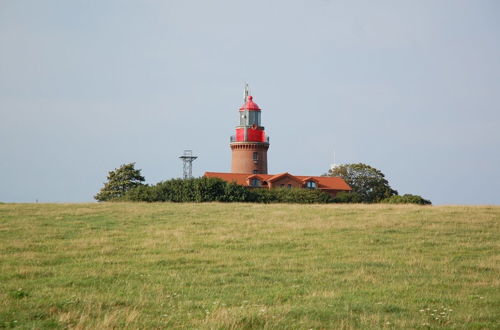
x=233, y=139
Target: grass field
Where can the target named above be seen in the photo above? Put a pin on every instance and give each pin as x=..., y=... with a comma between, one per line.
x=249, y=266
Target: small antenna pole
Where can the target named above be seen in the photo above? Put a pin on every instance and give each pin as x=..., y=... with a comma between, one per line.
x=334, y=165
x=187, y=164
x=246, y=92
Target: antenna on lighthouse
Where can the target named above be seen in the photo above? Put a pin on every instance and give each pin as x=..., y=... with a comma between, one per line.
x=187, y=166
x=246, y=92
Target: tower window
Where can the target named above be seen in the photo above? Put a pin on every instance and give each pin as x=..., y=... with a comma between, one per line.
x=255, y=156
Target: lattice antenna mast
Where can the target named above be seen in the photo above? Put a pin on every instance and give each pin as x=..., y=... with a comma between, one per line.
x=187, y=166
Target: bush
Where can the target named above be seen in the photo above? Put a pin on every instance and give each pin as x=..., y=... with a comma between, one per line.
x=406, y=199
x=264, y=196
x=348, y=197
x=179, y=190
x=236, y=193
x=293, y=195
x=209, y=189
x=303, y=196
x=143, y=193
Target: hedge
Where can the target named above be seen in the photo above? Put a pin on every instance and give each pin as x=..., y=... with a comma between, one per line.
x=217, y=190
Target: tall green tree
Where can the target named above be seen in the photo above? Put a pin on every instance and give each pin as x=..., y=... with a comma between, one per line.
x=366, y=181
x=120, y=180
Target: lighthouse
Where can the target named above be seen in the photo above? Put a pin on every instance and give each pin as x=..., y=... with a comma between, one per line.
x=249, y=159
x=250, y=144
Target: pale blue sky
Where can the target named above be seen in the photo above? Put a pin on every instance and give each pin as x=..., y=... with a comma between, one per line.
x=409, y=87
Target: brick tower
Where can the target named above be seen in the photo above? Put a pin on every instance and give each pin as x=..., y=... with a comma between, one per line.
x=249, y=145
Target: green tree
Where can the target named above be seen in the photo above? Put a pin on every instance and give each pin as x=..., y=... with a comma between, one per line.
x=366, y=181
x=121, y=180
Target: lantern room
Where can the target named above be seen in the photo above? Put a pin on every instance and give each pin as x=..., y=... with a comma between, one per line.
x=250, y=129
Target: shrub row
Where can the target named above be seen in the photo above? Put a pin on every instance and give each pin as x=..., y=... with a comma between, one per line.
x=216, y=190
x=290, y=195
x=406, y=199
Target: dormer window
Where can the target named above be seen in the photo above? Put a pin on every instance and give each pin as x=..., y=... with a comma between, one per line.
x=311, y=184
x=254, y=182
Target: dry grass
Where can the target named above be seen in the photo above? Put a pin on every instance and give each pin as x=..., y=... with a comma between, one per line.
x=233, y=266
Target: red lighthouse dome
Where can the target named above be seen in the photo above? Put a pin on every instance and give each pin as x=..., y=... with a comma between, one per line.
x=250, y=105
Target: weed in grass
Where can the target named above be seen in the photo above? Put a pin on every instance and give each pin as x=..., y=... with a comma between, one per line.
x=19, y=293
x=436, y=316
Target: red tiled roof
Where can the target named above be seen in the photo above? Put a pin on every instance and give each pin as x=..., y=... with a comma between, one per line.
x=310, y=178
x=239, y=178
x=281, y=175
x=328, y=182
x=324, y=182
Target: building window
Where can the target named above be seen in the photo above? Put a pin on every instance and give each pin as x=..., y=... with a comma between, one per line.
x=289, y=186
x=255, y=182
x=311, y=184
x=255, y=156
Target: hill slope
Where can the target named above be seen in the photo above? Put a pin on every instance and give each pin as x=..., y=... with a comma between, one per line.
x=248, y=265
